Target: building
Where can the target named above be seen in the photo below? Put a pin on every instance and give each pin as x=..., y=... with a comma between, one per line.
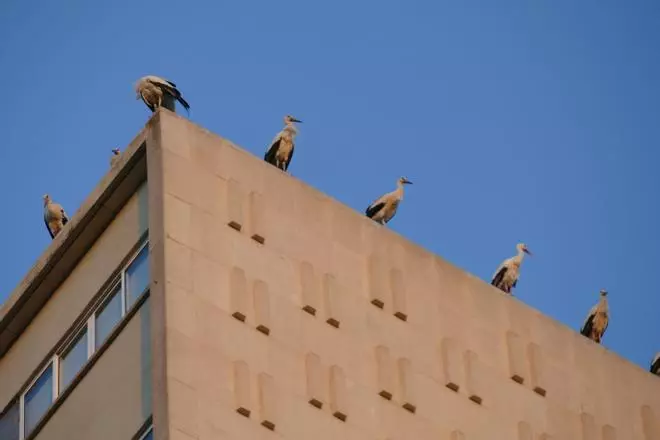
x=200, y=293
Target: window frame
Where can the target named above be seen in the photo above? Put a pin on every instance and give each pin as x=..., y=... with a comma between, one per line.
x=52, y=363
x=88, y=325
x=149, y=430
x=68, y=348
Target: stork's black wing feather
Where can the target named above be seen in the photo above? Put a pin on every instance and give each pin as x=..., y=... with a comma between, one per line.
x=497, y=279
x=655, y=367
x=48, y=228
x=183, y=102
x=271, y=152
x=588, y=326
x=373, y=209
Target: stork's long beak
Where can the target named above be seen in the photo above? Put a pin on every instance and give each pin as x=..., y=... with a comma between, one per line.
x=296, y=120
x=407, y=181
x=525, y=250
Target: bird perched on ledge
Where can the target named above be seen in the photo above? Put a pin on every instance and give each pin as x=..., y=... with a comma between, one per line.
x=114, y=159
x=280, y=151
x=506, y=275
x=655, y=365
x=54, y=216
x=596, y=323
x=383, y=209
x=152, y=89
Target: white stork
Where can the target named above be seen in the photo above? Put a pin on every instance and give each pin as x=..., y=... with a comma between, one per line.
x=54, y=216
x=280, y=151
x=114, y=159
x=506, y=275
x=152, y=89
x=383, y=209
x=655, y=365
x=597, y=320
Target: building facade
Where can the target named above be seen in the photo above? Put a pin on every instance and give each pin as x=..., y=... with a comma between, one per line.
x=200, y=293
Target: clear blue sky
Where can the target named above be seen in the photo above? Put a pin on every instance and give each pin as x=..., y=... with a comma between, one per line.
x=517, y=121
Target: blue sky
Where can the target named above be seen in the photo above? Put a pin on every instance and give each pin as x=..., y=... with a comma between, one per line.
x=517, y=121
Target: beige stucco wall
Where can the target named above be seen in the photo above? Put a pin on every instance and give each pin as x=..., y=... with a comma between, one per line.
x=73, y=295
x=113, y=399
x=318, y=253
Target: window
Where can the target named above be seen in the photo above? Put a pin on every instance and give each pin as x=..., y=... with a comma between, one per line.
x=137, y=277
x=73, y=359
x=107, y=317
x=9, y=422
x=38, y=398
x=19, y=420
x=149, y=434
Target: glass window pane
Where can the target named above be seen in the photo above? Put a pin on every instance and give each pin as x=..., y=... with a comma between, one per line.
x=108, y=317
x=9, y=423
x=72, y=360
x=137, y=277
x=149, y=435
x=38, y=399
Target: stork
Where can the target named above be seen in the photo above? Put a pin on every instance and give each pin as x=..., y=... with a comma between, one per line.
x=54, y=216
x=596, y=323
x=383, y=209
x=152, y=89
x=506, y=275
x=114, y=159
x=280, y=151
x=655, y=365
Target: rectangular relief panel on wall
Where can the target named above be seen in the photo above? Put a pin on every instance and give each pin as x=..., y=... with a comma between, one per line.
x=267, y=401
x=378, y=281
x=609, y=433
x=309, y=289
x=650, y=424
x=384, y=372
x=472, y=384
x=338, y=401
x=398, y=288
x=331, y=300
x=257, y=220
x=524, y=431
x=406, y=385
x=587, y=426
x=240, y=300
x=261, y=307
x=241, y=385
x=315, y=376
x=235, y=205
x=535, y=356
x=516, y=355
x=451, y=361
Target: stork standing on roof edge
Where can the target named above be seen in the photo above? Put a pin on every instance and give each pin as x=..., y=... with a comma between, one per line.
x=597, y=320
x=114, y=159
x=383, y=209
x=54, y=216
x=655, y=365
x=152, y=89
x=506, y=275
x=280, y=151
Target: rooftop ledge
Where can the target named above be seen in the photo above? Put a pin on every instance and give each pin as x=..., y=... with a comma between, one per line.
x=94, y=215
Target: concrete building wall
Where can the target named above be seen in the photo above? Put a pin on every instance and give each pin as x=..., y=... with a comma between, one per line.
x=275, y=307
x=72, y=297
x=113, y=399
